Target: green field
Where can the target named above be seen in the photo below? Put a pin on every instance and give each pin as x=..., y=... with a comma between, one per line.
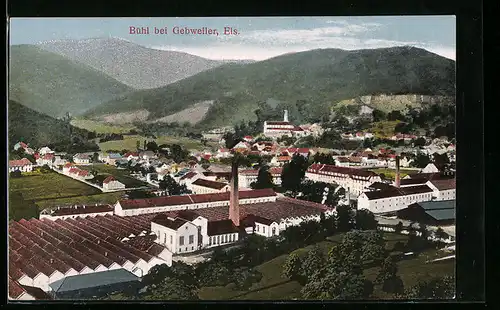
x=274, y=286
x=391, y=173
x=40, y=186
x=121, y=175
x=384, y=129
x=104, y=198
x=100, y=127
x=130, y=142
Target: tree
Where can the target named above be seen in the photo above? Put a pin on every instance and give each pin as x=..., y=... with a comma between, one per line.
x=178, y=154
x=95, y=157
x=395, y=116
x=388, y=277
x=378, y=115
x=15, y=174
x=365, y=220
x=152, y=146
x=293, y=173
x=313, y=262
x=345, y=218
x=437, y=288
x=171, y=288
x=323, y=158
x=399, y=227
x=419, y=142
x=420, y=161
x=264, y=179
x=440, y=234
x=172, y=187
x=441, y=161
x=138, y=145
x=292, y=268
x=139, y=194
x=373, y=246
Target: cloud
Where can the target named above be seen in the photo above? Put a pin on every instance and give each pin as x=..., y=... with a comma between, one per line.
x=264, y=44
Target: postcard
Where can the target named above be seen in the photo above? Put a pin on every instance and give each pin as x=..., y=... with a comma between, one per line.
x=232, y=158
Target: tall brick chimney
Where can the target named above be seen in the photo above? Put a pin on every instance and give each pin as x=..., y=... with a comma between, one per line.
x=397, y=180
x=285, y=116
x=234, y=199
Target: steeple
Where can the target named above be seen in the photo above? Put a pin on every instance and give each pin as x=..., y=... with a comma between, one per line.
x=285, y=116
x=234, y=199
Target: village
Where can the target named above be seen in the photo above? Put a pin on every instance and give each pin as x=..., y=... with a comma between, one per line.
x=167, y=212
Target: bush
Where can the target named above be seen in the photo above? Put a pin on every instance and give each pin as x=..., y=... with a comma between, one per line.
x=15, y=174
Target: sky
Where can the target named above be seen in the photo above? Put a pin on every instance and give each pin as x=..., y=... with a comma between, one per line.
x=257, y=38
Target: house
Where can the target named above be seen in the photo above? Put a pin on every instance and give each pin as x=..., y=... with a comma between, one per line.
x=131, y=156
x=247, y=177
x=58, y=161
x=342, y=161
x=46, y=159
x=393, y=199
x=110, y=183
x=189, y=178
x=365, y=110
x=432, y=213
x=430, y=168
x=176, y=233
x=304, y=152
x=352, y=180
x=76, y=211
x=204, y=186
x=82, y=159
x=279, y=161
x=162, y=167
x=248, y=138
x=20, y=145
x=22, y=165
x=111, y=158
x=403, y=162
x=45, y=150
x=147, y=155
x=223, y=153
x=442, y=189
x=242, y=146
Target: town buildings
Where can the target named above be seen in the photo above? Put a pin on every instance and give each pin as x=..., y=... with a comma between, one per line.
x=277, y=129
x=432, y=213
x=247, y=177
x=22, y=165
x=352, y=180
x=204, y=186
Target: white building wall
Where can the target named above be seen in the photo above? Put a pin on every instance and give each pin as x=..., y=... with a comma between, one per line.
x=218, y=240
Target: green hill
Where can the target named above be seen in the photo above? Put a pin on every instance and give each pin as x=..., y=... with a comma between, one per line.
x=37, y=129
x=52, y=84
x=306, y=83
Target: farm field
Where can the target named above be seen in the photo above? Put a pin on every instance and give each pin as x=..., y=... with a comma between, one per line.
x=120, y=174
x=130, y=142
x=274, y=286
x=51, y=185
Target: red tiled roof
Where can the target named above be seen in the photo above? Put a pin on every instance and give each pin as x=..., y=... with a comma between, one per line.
x=278, y=123
x=15, y=289
x=74, y=170
x=68, y=165
x=23, y=145
x=351, y=172
x=192, y=199
x=83, y=173
x=134, y=154
x=284, y=158
x=48, y=156
x=444, y=184
x=108, y=179
x=210, y=184
x=19, y=163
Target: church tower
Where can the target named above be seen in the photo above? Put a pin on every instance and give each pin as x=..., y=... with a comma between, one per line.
x=285, y=116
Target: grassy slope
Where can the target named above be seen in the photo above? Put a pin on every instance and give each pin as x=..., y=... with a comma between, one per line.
x=52, y=84
x=100, y=127
x=274, y=286
x=318, y=76
x=35, y=128
x=129, y=142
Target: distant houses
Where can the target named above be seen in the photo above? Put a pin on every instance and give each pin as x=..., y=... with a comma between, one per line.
x=24, y=147
x=111, y=158
x=82, y=159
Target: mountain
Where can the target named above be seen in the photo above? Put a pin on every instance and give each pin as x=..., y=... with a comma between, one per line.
x=52, y=84
x=307, y=83
x=132, y=64
x=37, y=129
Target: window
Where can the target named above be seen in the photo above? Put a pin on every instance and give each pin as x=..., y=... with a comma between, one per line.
x=274, y=230
x=180, y=250
x=264, y=229
x=191, y=239
x=225, y=240
x=192, y=248
x=218, y=239
x=181, y=240
x=209, y=240
x=257, y=227
x=171, y=239
x=165, y=238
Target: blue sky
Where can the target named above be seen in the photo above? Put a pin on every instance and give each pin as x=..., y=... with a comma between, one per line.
x=259, y=37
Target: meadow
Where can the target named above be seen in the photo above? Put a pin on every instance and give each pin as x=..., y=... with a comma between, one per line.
x=130, y=142
x=121, y=175
x=273, y=286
